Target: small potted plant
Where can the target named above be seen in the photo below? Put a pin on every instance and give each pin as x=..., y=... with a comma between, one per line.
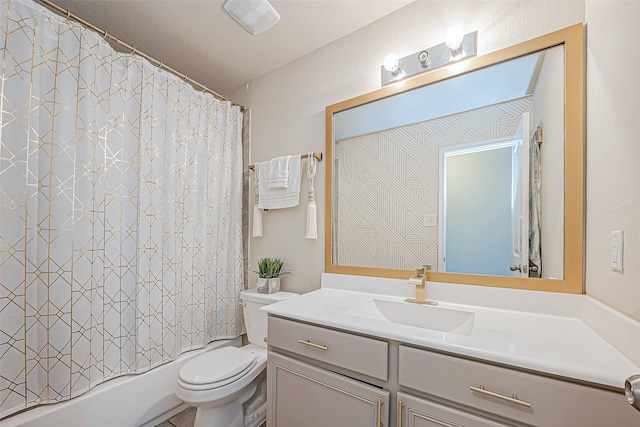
x=269, y=272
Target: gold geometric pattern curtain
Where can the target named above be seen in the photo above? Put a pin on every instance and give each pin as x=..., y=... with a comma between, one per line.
x=120, y=212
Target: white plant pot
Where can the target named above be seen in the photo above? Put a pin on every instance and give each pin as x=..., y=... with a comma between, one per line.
x=268, y=286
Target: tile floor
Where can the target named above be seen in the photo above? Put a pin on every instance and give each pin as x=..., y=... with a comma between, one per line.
x=183, y=419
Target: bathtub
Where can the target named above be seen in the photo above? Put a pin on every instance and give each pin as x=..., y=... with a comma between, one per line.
x=142, y=400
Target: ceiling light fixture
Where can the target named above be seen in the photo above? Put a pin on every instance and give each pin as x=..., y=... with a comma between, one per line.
x=255, y=16
x=456, y=47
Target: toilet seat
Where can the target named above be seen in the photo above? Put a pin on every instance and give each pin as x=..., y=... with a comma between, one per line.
x=216, y=368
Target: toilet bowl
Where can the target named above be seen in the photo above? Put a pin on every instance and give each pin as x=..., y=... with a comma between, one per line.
x=228, y=385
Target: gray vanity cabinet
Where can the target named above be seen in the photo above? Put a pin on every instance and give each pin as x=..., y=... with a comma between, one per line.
x=321, y=377
x=415, y=412
x=305, y=388
x=304, y=395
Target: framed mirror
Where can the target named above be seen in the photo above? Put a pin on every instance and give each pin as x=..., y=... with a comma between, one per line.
x=476, y=169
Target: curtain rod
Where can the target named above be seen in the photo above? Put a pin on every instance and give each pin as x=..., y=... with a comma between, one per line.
x=318, y=157
x=159, y=64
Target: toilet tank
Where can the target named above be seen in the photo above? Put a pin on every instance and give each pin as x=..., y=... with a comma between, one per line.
x=256, y=320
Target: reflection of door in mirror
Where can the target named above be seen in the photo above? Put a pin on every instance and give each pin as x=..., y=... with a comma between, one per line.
x=476, y=202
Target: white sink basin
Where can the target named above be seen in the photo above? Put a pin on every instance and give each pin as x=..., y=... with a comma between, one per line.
x=418, y=315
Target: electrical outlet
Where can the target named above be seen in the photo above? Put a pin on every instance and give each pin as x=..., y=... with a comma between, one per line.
x=429, y=220
x=617, y=245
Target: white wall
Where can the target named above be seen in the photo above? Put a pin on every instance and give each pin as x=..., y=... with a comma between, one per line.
x=613, y=152
x=288, y=104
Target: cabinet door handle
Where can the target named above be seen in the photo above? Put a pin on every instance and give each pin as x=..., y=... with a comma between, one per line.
x=380, y=412
x=310, y=344
x=513, y=398
x=399, y=419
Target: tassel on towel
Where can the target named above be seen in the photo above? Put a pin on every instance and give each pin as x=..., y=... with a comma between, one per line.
x=312, y=214
x=257, y=220
x=257, y=212
x=312, y=217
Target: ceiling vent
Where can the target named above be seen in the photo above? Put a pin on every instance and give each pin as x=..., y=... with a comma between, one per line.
x=255, y=16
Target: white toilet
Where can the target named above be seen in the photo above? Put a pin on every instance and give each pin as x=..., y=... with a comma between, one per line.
x=228, y=385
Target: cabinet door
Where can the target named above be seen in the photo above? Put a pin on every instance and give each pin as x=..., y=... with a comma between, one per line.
x=415, y=412
x=304, y=395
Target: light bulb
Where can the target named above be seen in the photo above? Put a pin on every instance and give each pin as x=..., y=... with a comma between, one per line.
x=423, y=58
x=391, y=62
x=454, y=38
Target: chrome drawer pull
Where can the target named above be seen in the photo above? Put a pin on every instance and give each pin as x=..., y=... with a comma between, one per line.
x=512, y=398
x=310, y=344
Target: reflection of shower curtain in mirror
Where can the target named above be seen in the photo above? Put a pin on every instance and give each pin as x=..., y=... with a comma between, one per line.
x=535, y=249
x=120, y=212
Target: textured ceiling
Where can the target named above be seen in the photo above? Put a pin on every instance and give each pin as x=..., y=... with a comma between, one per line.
x=199, y=39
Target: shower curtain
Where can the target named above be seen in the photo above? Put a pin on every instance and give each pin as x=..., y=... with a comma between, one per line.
x=120, y=212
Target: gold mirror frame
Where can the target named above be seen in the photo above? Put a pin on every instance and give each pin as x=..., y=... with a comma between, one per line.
x=573, y=282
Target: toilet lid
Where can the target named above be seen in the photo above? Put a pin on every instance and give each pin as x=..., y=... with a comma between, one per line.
x=216, y=365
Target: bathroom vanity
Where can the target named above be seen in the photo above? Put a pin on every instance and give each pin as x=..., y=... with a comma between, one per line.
x=514, y=345
x=345, y=357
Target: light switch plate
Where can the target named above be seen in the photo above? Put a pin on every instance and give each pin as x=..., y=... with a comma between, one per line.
x=429, y=220
x=617, y=245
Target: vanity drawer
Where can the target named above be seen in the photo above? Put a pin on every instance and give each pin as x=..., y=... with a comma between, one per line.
x=353, y=352
x=553, y=402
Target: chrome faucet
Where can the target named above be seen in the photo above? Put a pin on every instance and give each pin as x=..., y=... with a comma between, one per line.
x=420, y=281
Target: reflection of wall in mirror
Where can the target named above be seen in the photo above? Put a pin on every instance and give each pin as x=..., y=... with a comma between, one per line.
x=388, y=181
x=548, y=113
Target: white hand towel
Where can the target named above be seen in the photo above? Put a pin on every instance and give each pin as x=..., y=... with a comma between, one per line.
x=279, y=172
x=271, y=198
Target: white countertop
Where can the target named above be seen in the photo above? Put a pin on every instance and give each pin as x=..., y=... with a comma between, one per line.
x=545, y=333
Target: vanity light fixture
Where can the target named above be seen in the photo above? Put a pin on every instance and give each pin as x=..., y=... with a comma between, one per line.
x=457, y=46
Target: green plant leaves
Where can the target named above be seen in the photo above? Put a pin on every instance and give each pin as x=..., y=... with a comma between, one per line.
x=269, y=268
